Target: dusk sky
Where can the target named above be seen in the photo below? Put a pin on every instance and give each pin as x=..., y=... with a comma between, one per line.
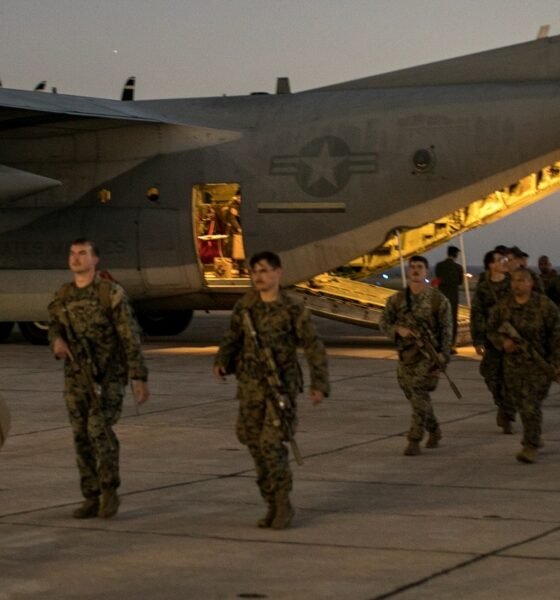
x=186, y=48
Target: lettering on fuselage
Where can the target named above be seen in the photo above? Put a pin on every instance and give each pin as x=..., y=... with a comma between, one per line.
x=324, y=165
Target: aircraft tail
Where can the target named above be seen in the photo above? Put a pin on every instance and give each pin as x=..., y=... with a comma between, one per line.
x=538, y=60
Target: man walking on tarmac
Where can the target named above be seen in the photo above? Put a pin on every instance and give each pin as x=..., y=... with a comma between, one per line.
x=416, y=318
x=492, y=288
x=268, y=322
x=93, y=329
x=526, y=327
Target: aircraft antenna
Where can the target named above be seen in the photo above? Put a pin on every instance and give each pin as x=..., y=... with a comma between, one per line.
x=544, y=30
x=128, y=90
x=283, y=85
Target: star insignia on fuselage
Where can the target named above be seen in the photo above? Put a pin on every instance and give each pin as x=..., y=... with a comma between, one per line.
x=324, y=165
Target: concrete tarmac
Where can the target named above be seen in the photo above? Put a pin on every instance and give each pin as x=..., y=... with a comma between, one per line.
x=465, y=520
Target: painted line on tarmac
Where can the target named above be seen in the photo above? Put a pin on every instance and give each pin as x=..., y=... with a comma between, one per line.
x=494, y=553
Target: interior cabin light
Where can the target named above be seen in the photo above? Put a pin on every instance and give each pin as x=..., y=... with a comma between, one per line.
x=104, y=195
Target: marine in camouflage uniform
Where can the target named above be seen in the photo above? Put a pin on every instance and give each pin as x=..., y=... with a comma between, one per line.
x=530, y=365
x=493, y=286
x=419, y=310
x=94, y=325
x=282, y=324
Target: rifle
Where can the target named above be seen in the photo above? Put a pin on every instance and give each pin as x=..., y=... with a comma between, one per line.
x=422, y=339
x=280, y=403
x=507, y=329
x=83, y=365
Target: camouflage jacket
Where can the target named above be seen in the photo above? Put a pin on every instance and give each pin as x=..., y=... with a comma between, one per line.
x=537, y=322
x=110, y=336
x=282, y=325
x=436, y=322
x=486, y=295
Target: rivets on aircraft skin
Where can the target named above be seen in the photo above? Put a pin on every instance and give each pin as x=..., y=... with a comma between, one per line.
x=104, y=196
x=153, y=194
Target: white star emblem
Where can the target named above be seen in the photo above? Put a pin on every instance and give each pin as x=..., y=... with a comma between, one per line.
x=323, y=166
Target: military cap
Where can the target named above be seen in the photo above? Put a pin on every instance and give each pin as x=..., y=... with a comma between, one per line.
x=517, y=252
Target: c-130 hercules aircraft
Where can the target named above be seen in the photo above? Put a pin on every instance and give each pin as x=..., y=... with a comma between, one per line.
x=174, y=191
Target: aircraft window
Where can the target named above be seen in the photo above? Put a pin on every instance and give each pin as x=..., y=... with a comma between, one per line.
x=153, y=194
x=217, y=213
x=424, y=161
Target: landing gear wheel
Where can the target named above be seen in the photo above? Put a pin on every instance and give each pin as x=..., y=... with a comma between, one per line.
x=165, y=323
x=5, y=330
x=36, y=332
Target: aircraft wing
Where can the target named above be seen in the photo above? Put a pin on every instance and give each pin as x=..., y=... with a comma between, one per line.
x=22, y=109
x=27, y=116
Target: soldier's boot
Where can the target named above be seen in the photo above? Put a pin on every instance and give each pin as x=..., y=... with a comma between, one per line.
x=109, y=505
x=284, y=512
x=527, y=455
x=267, y=520
x=88, y=509
x=434, y=438
x=413, y=448
x=503, y=421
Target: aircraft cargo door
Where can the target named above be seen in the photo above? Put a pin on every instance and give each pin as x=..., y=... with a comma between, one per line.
x=219, y=234
x=163, y=255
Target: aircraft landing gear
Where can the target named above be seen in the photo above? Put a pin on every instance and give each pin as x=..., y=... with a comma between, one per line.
x=165, y=323
x=5, y=330
x=36, y=332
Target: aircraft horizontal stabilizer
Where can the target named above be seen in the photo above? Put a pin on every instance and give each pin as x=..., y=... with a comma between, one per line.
x=538, y=60
x=16, y=184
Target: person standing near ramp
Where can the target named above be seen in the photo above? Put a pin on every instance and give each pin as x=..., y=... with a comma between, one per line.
x=450, y=276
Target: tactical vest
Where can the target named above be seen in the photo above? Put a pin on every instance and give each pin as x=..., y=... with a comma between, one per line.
x=104, y=293
x=411, y=354
x=436, y=302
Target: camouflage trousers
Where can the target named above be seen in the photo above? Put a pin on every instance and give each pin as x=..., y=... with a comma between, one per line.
x=528, y=388
x=417, y=381
x=492, y=370
x=265, y=441
x=95, y=442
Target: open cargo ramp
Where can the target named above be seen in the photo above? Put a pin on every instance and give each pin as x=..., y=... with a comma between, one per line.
x=357, y=303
